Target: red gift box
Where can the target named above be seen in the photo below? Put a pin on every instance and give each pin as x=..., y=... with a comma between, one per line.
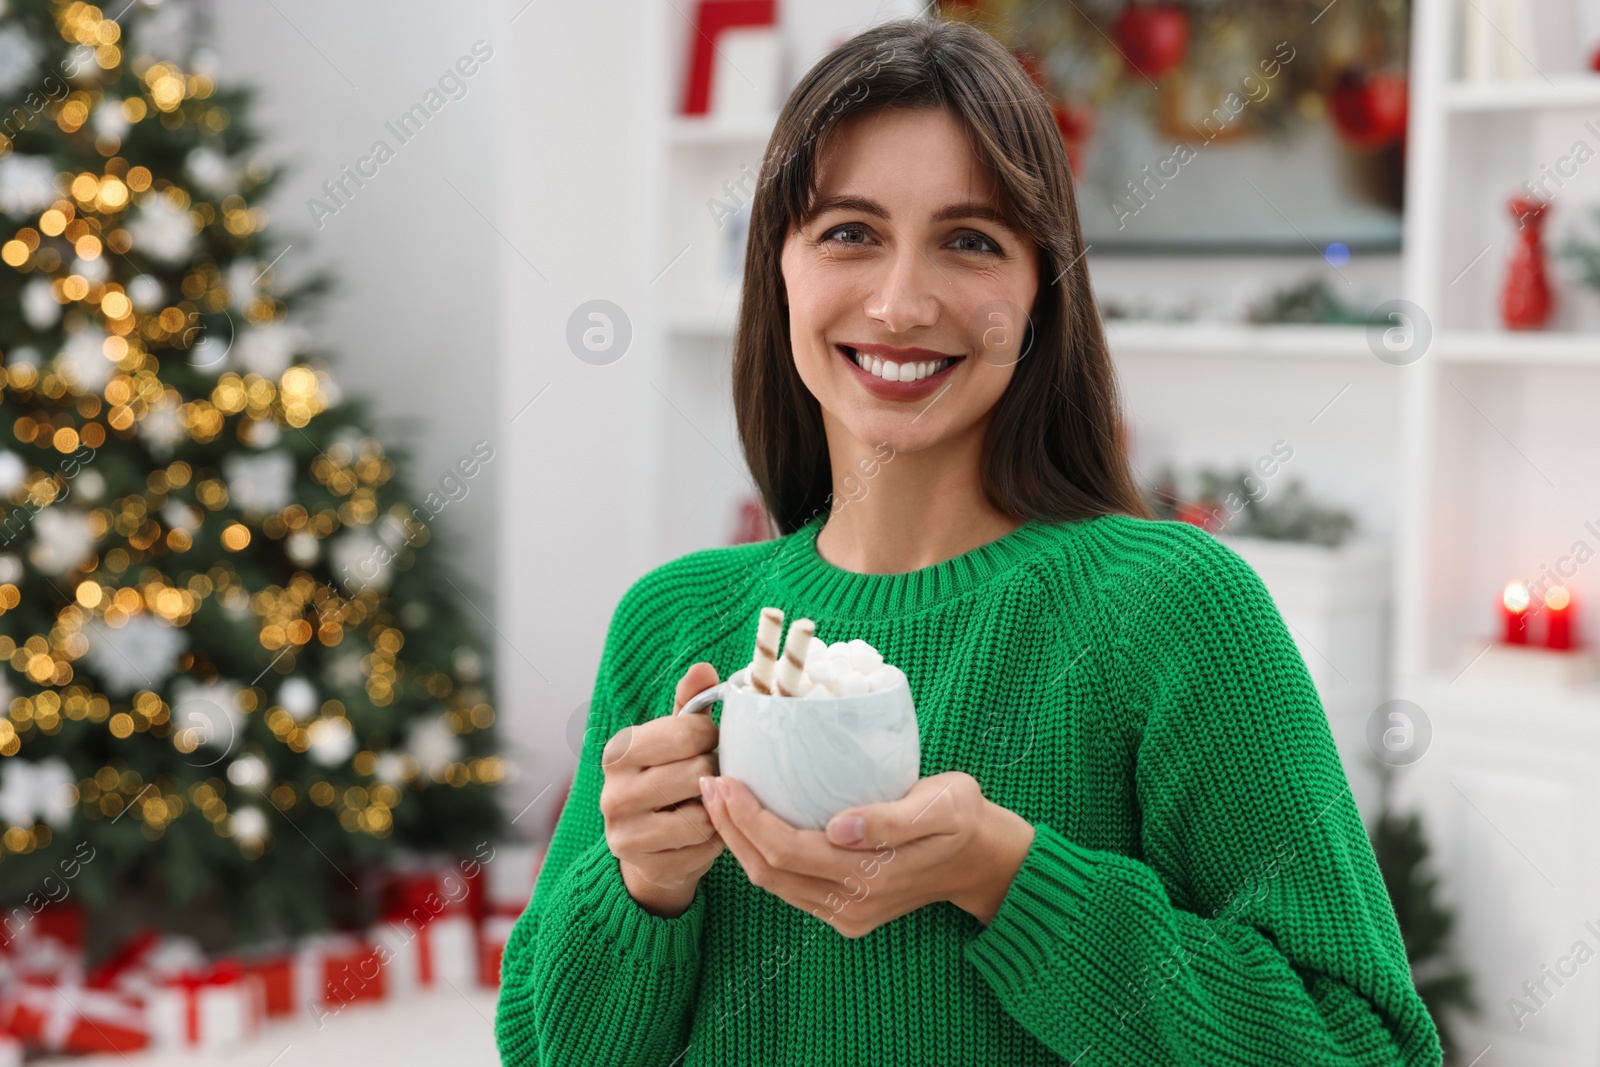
x=214, y=1007
x=492, y=937
x=74, y=1019
x=46, y=945
x=277, y=975
x=351, y=969
x=296, y=978
x=427, y=889
x=145, y=961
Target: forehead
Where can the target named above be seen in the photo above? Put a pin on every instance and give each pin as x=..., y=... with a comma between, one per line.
x=915, y=157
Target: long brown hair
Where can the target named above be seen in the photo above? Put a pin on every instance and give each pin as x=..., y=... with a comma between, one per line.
x=1053, y=448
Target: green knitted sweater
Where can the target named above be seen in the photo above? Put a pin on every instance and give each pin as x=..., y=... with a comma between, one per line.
x=1200, y=889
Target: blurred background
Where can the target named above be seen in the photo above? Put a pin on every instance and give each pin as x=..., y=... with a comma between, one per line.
x=357, y=359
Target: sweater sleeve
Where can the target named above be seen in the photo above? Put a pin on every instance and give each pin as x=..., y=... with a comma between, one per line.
x=589, y=977
x=1255, y=927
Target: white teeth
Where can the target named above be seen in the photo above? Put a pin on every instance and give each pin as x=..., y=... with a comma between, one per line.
x=899, y=372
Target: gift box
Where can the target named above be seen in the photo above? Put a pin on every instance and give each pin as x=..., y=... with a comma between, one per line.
x=510, y=876
x=348, y=969
x=210, y=1008
x=61, y=1018
x=442, y=951
x=145, y=962
x=425, y=889
x=285, y=987
x=44, y=944
x=493, y=934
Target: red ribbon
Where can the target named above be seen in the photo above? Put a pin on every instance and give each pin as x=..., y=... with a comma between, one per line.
x=226, y=971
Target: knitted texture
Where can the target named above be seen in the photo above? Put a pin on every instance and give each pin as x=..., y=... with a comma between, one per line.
x=1200, y=889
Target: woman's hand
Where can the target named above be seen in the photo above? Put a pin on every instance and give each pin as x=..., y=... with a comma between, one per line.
x=942, y=841
x=656, y=825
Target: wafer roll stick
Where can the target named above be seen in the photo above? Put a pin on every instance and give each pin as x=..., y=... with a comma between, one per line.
x=794, y=657
x=763, y=666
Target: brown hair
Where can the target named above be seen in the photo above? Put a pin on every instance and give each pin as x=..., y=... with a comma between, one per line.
x=1053, y=447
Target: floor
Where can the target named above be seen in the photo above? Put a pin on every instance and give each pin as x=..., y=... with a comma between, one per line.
x=453, y=1026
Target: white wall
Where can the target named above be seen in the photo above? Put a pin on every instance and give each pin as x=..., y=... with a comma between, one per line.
x=412, y=323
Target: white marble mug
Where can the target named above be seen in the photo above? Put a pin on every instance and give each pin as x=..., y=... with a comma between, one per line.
x=808, y=760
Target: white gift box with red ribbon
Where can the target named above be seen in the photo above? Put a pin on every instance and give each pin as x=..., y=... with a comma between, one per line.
x=214, y=1008
x=493, y=933
x=441, y=951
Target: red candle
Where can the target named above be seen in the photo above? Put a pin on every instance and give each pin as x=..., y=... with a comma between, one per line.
x=1558, y=610
x=1514, y=611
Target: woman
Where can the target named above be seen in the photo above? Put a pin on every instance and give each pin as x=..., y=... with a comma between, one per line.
x=1133, y=841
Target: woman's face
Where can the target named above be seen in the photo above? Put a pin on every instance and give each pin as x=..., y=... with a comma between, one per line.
x=907, y=261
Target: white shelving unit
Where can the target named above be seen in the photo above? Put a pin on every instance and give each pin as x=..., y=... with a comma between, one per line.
x=1501, y=461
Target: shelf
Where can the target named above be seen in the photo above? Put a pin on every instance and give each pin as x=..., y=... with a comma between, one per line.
x=1532, y=94
x=1517, y=348
x=1226, y=339
x=722, y=133
x=1529, y=705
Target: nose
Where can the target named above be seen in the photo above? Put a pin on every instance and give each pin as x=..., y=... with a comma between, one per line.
x=905, y=299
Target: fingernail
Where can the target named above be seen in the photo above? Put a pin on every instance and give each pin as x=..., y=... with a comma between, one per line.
x=721, y=787
x=847, y=829
x=705, y=788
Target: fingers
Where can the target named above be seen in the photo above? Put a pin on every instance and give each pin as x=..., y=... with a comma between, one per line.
x=686, y=826
x=671, y=783
x=660, y=740
x=932, y=807
x=762, y=873
x=699, y=676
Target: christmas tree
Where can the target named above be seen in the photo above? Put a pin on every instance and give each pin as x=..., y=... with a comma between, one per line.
x=1401, y=849
x=240, y=678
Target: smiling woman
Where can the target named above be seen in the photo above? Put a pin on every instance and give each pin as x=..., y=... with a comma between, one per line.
x=1131, y=840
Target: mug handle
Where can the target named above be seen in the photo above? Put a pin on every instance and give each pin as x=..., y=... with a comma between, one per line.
x=703, y=699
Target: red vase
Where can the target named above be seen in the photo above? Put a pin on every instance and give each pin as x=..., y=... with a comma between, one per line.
x=1525, y=297
x=1152, y=37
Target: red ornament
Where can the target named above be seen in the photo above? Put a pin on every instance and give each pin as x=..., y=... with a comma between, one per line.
x=1076, y=123
x=1152, y=37
x=1594, y=60
x=1369, y=110
x=1525, y=298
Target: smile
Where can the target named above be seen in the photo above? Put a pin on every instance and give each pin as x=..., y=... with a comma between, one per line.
x=907, y=379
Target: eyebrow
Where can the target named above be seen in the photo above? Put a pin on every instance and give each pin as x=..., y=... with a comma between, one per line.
x=966, y=209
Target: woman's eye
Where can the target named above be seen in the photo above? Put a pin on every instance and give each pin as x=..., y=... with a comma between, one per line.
x=989, y=245
x=848, y=228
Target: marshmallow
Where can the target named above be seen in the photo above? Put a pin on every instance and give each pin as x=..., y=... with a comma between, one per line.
x=852, y=684
x=809, y=668
x=885, y=677
x=864, y=657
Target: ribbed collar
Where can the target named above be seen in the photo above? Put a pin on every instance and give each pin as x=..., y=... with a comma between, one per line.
x=829, y=590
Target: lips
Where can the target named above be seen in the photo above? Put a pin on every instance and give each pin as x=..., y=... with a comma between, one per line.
x=898, y=390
